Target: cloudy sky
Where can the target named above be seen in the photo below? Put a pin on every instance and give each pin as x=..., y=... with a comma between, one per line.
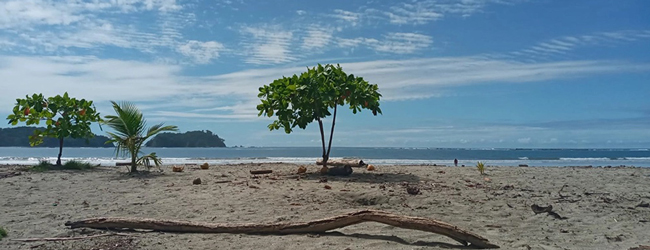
x=453, y=73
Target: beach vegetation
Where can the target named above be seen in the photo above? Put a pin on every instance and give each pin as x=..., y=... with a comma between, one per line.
x=314, y=95
x=78, y=165
x=130, y=132
x=64, y=117
x=3, y=233
x=41, y=166
x=481, y=167
x=69, y=165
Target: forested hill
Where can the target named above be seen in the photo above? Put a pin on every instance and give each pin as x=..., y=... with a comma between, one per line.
x=19, y=137
x=194, y=139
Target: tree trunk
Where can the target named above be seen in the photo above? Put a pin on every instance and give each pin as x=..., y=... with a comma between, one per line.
x=343, y=162
x=329, y=145
x=316, y=226
x=58, y=160
x=325, y=155
x=134, y=166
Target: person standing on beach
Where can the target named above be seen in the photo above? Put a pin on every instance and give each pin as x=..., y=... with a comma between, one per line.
x=456, y=162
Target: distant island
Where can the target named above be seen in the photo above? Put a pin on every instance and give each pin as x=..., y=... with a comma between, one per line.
x=19, y=137
x=193, y=139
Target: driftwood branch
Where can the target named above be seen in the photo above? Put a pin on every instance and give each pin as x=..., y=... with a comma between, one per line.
x=70, y=238
x=316, y=226
x=264, y=171
x=343, y=162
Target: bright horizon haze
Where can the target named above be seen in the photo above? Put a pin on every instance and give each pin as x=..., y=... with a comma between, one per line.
x=453, y=73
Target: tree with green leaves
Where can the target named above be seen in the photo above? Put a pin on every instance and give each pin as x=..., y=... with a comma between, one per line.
x=314, y=95
x=64, y=116
x=131, y=133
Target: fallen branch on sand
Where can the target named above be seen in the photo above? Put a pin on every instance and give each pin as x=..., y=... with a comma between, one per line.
x=264, y=171
x=343, y=162
x=316, y=226
x=70, y=238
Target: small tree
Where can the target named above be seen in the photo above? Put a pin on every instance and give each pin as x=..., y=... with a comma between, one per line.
x=64, y=117
x=131, y=132
x=299, y=100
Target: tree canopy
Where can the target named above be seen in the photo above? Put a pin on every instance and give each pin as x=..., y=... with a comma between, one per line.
x=64, y=116
x=188, y=139
x=297, y=101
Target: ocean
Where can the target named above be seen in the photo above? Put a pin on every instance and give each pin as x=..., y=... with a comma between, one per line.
x=376, y=156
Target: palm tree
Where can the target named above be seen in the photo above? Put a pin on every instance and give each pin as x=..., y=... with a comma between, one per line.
x=129, y=136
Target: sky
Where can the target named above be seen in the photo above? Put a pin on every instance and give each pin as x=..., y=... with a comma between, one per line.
x=453, y=73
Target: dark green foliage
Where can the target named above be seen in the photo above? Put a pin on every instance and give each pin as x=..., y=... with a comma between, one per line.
x=3, y=233
x=42, y=166
x=316, y=94
x=64, y=117
x=204, y=139
x=18, y=137
x=78, y=165
x=70, y=165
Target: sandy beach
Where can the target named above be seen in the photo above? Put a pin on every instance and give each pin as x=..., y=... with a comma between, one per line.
x=601, y=208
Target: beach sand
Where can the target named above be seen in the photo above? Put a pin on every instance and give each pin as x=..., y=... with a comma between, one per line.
x=605, y=208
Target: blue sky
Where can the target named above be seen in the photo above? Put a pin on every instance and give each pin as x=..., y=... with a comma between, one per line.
x=453, y=73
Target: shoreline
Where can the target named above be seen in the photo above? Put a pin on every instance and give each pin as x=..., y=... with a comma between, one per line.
x=603, y=206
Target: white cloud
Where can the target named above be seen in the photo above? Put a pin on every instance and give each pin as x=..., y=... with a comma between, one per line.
x=234, y=95
x=349, y=43
x=317, y=38
x=25, y=13
x=566, y=44
x=63, y=27
x=426, y=11
x=267, y=45
x=349, y=17
x=402, y=43
x=410, y=79
x=201, y=52
x=416, y=13
x=395, y=43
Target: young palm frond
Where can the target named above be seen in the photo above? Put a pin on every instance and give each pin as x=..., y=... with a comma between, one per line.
x=129, y=135
x=146, y=160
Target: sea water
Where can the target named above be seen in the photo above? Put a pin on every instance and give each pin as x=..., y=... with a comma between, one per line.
x=377, y=156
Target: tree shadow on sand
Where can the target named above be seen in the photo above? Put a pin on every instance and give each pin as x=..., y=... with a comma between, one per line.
x=397, y=239
x=142, y=175
x=366, y=177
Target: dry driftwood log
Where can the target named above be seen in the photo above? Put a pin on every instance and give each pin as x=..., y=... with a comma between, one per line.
x=343, y=162
x=265, y=171
x=317, y=226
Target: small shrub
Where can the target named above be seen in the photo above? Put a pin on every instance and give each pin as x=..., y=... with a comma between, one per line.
x=42, y=166
x=70, y=165
x=481, y=167
x=77, y=165
x=3, y=233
